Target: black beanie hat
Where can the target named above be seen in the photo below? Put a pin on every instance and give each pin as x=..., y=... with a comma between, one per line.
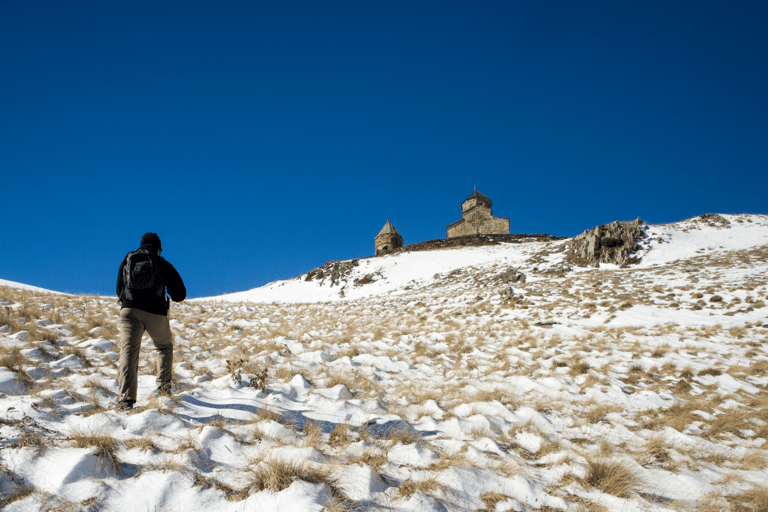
x=151, y=240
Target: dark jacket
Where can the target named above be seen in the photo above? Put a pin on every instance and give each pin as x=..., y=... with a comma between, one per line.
x=152, y=303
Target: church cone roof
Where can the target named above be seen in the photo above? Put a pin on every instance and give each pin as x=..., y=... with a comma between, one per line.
x=388, y=229
x=476, y=195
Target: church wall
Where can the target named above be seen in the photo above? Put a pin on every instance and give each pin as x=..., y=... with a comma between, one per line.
x=390, y=241
x=495, y=225
x=479, y=221
x=460, y=229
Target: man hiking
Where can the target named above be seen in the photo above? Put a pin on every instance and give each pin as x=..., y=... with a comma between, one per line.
x=141, y=285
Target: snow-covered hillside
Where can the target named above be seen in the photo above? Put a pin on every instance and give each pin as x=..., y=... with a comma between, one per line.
x=408, y=273
x=431, y=381
x=22, y=286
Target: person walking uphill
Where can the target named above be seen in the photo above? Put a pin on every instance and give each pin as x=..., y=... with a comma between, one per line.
x=141, y=285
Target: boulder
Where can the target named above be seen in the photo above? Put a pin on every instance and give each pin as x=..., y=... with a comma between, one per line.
x=508, y=294
x=512, y=275
x=608, y=243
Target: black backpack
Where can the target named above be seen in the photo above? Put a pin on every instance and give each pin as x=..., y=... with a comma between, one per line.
x=142, y=276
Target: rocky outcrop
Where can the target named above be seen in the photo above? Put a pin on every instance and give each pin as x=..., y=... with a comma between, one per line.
x=509, y=296
x=608, y=243
x=512, y=275
x=714, y=220
x=334, y=271
x=508, y=293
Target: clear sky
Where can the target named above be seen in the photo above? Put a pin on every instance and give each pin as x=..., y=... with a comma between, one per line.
x=261, y=139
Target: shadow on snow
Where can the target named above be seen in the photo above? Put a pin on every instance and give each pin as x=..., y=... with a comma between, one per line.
x=297, y=419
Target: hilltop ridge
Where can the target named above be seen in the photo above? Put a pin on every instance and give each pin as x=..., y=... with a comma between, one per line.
x=541, y=256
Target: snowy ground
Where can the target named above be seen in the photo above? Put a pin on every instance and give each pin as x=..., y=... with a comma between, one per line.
x=413, y=382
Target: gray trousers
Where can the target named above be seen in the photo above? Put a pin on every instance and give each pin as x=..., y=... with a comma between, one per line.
x=133, y=323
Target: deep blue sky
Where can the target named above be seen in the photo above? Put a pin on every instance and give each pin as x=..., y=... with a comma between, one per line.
x=262, y=139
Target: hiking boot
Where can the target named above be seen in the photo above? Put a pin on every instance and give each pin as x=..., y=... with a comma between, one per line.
x=124, y=406
x=164, y=390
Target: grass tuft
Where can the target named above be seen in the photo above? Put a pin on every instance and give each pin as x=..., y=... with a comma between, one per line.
x=17, y=494
x=276, y=475
x=611, y=477
x=492, y=498
x=753, y=500
x=106, y=445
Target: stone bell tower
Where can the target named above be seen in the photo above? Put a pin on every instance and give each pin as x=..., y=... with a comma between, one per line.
x=387, y=239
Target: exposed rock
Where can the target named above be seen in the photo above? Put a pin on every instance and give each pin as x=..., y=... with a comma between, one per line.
x=512, y=276
x=608, y=243
x=368, y=279
x=557, y=270
x=714, y=220
x=334, y=270
x=518, y=301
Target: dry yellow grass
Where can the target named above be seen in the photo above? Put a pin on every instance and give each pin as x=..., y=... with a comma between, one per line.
x=170, y=463
x=17, y=494
x=611, y=477
x=31, y=439
x=341, y=436
x=753, y=500
x=730, y=422
x=403, y=435
x=491, y=499
x=585, y=505
x=106, y=445
x=754, y=459
x=492, y=351
x=312, y=434
x=14, y=360
x=427, y=486
x=578, y=367
x=598, y=412
x=372, y=457
x=145, y=443
x=680, y=415
x=275, y=475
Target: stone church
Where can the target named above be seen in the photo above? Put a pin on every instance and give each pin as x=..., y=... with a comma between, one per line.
x=387, y=239
x=477, y=218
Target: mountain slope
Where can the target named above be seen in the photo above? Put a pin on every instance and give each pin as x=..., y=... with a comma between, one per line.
x=430, y=385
